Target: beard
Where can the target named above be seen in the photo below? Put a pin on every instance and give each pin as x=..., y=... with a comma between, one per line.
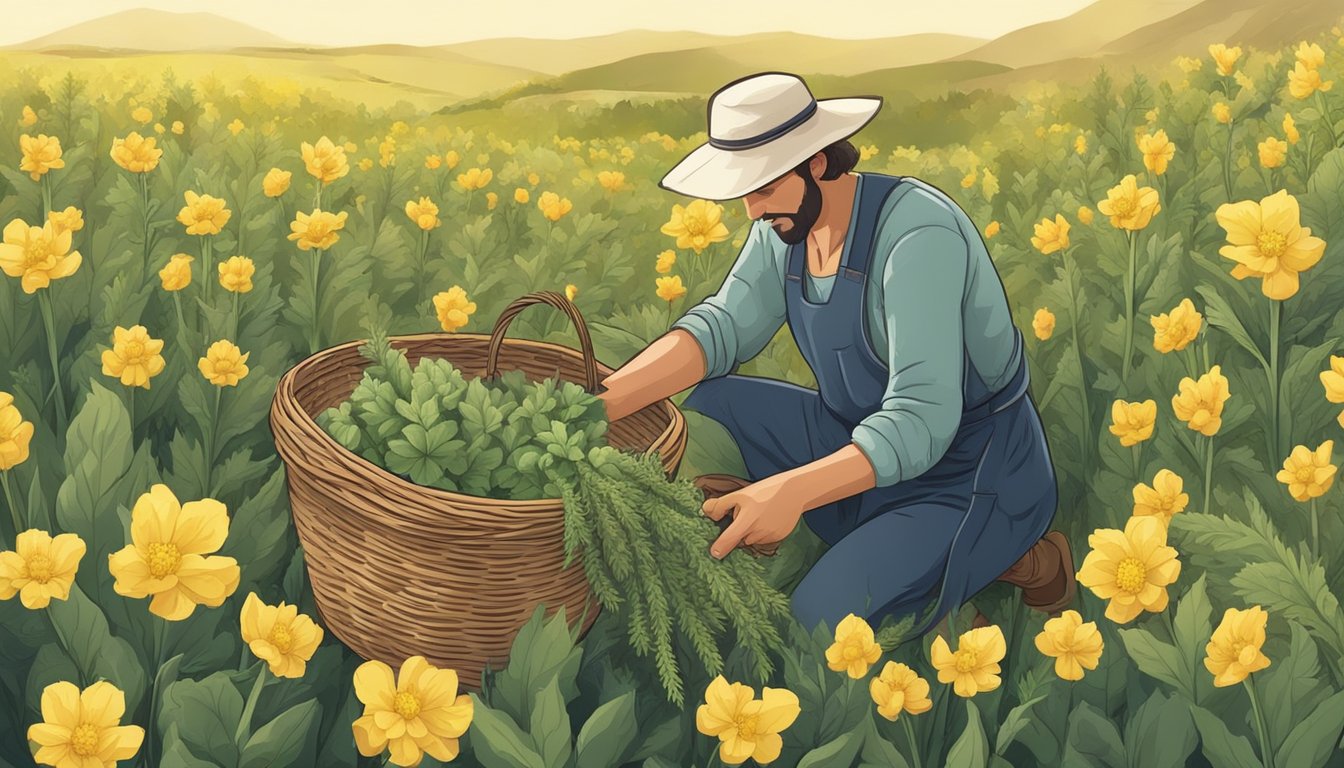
x=802, y=220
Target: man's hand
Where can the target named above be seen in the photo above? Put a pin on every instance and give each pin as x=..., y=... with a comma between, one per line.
x=762, y=514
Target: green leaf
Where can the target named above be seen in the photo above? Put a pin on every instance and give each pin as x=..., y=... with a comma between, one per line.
x=877, y=751
x=498, y=741
x=206, y=713
x=971, y=749
x=176, y=754
x=1093, y=739
x=280, y=741
x=93, y=647
x=1013, y=724
x=608, y=733
x=1314, y=738
x=1289, y=688
x=543, y=648
x=1220, y=314
x=550, y=726
x=1221, y=747
x=835, y=753
x=1160, y=734
x=1193, y=626
x=1156, y=659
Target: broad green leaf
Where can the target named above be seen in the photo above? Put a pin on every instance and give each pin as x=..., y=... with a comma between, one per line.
x=1013, y=724
x=1093, y=739
x=1156, y=659
x=608, y=732
x=971, y=749
x=176, y=754
x=94, y=649
x=1160, y=733
x=498, y=741
x=1221, y=747
x=542, y=649
x=837, y=752
x=280, y=741
x=550, y=726
x=1312, y=741
x=206, y=713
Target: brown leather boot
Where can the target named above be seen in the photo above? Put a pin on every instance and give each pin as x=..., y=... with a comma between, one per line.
x=716, y=485
x=1045, y=574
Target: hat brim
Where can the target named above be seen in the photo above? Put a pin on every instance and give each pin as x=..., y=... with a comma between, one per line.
x=711, y=173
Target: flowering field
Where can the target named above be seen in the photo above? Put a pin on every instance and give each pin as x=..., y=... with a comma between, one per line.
x=171, y=248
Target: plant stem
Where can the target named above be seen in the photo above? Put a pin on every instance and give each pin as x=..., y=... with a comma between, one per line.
x=160, y=641
x=1130, y=281
x=44, y=301
x=1275, y=309
x=207, y=256
x=910, y=737
x=1208, y=473
x=1136, y=453
x=424, y=266
x=316, y=261
x=1315, y=528
x=236, y=320
x=1266, y=757
x=1082, y=375
x=1227, y=162
x=1325, y=115
x=210, y=444
x=19, y=526
x=177, y=305
x=245, y=721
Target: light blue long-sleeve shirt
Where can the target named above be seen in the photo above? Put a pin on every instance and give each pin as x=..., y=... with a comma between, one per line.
x=932, y=289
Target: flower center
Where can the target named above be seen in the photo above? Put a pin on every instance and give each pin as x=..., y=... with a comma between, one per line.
x=39, y=568
x=1123, y=205
x=135, y=349
x=746, y=728
x=406, y=705
x=281, y=639
x=852, y=651
x=1271, y=244
x=84, y=740
x=966, y=660
x=1130, y=575
x=1305, y=474
x=163, y=559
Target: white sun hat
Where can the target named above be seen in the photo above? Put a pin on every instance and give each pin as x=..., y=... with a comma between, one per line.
x=761, y=127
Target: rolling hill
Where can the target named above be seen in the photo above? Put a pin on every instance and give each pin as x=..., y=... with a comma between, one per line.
x=145, y=29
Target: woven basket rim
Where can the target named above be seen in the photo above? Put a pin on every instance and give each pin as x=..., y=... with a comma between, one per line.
x=354, y=461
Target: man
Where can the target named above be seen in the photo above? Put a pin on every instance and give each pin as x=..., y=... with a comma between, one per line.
x=920, y=458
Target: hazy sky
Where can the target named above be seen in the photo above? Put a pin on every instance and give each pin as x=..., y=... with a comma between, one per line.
x=428, y=22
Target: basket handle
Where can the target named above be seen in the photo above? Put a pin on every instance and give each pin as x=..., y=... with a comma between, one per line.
x=560, y=302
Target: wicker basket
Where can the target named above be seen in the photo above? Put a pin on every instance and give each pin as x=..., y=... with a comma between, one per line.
x=400, y=569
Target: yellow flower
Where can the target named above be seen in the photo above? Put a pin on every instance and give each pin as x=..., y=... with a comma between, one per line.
x=453, y=308
x=365, y=164
x=178, y=127
x=317, y=229
x=224, y=364
x=491, y=200
x=696, y=226
x=40, y=154
x=279, y=635
x=670, y=288
x=1131, y=568
x=433, y=162
x=611, y=181
x=1233, y=652
x=236, y=126
x=142, y=115
x=203, y=214
x=867, y=152
x=1073, y=645
x=1266, y=241
x=1129, y=205
x=520, y=195
x=1308, y=473
x=1272, y=152
x=1043, y=323
x=571, y=290
x=1200, y=403
x=235, y=274
x=15, y=433
x=1189, y=64
x=1222, y=113
x=40, y=568
x=276, y=182
x=451, y=159
x=1244, y=80
x=1133, y=422
x=29, y=116
x=1163, y=499
x=325, y=161
x=974, y=667
x=1157, y=150
x=134, y=357
x=1302, y=82
x=1333, y=380
x=69, y=220
x=1080, y=144
x=424, y=213
x=176, y=274
x=1224, y=57
x=1172, y=331
x=1290, y=129
x=899, y=689
x=169, y=556
x=37, y=255
x=136, y=153
x=553, y=206
x=746, y=727
x=855, y=648
x=968, y=180
x=666, y=260
x=1310, y=55
x=387, y=154
x=991, y=229
x=1085, y=214
x=533, y=179
x=419, y=712
x=83, y=727
x=1050, y=235
x=474, y=178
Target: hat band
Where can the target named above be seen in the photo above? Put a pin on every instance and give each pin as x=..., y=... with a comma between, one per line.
x=768, y=136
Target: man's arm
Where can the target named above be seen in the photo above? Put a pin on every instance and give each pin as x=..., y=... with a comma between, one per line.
x=923, y=284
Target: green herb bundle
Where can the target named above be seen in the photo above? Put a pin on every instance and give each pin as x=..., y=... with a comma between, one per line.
x=644, y=542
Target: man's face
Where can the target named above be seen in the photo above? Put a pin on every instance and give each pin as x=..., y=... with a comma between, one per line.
x=791, y=203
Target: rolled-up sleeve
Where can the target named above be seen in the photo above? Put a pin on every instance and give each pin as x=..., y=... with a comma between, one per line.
x=923, y=286
x=735, y=324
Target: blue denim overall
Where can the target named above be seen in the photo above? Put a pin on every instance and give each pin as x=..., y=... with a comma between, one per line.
x=939, y=537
